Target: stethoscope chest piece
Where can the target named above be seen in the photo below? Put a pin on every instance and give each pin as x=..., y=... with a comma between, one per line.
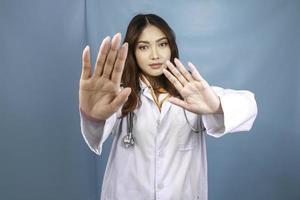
x=128, y=140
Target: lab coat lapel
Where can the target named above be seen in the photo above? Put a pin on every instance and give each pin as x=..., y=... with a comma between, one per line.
x=146, y=92
x=164, y=109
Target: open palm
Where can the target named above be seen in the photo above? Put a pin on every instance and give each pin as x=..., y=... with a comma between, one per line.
x=100, y=94
x=198, y=96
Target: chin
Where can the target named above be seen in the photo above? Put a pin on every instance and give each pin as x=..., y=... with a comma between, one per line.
x=155, y=73
x=159, y=73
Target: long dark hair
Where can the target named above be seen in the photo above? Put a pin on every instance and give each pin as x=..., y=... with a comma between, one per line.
x=132, y=72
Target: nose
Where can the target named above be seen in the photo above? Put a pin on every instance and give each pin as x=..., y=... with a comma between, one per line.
x=154, y=54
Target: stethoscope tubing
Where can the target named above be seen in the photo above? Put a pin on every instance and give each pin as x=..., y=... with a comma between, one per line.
x=128, y=139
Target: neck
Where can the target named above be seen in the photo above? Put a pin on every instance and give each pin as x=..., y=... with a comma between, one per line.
x=155, y=81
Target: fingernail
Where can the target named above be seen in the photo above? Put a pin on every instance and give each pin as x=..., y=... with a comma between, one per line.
x=191, y=64
x=107, y=38
x=117, y=41
x=105, y=42
x=118, y=35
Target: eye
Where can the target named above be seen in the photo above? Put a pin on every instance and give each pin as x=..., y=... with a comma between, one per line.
x=163, y=44
x=142, y=47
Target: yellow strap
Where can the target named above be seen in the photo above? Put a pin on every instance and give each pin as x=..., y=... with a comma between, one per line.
x=156, y=100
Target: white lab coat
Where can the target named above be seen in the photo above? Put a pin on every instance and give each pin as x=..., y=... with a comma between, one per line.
x=168, y=161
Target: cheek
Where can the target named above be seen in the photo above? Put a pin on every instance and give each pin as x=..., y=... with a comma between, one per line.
x=140, y=58
x=167, y=53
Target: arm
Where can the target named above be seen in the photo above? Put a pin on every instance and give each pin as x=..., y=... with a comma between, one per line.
x=223, y=111
x=100, y=94
x=95, y=132
x=239, y=112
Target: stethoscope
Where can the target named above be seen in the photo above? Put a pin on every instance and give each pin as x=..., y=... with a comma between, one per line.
x=128, y=139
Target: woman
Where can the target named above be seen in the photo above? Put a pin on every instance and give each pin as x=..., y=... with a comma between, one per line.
x=158, y=116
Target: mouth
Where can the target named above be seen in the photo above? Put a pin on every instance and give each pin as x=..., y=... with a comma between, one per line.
x=155, y=65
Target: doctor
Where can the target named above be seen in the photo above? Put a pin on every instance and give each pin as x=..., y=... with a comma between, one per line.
x=157, y=112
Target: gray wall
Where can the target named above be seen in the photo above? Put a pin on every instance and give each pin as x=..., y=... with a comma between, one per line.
x=250, y=45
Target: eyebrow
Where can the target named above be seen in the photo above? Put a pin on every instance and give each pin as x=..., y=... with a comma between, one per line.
x=149, y=42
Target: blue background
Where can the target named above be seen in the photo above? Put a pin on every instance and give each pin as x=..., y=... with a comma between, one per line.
x=249, y=44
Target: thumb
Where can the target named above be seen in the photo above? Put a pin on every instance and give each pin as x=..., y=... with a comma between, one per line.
x=121, y=98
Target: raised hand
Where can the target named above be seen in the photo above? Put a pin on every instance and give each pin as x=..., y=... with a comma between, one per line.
x=100, y=94
x=198, y=96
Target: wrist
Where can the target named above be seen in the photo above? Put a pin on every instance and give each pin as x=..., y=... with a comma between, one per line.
x=219, y=109
x=90, y=117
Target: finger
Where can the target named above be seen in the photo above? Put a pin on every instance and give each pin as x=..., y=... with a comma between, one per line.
x=196, y=75
x=121, y=98
x=179, y=102
x=119, y=65
x=173, y=80
x=111, y=58
x=101, y=57
x=183, y=70
x=176, y=73
x=86, y=63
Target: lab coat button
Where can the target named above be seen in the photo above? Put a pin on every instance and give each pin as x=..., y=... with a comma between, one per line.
x=161, y=154
x=160, y=186
x=157, y=122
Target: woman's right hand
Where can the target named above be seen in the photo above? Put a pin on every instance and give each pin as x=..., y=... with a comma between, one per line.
x=100, y=94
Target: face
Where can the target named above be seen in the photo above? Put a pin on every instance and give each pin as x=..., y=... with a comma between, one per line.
x=152, y=50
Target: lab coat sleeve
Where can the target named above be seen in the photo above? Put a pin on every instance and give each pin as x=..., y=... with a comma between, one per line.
x=239, y=112
x=95, y=133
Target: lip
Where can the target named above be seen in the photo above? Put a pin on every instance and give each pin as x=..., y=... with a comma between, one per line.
x=155, y=65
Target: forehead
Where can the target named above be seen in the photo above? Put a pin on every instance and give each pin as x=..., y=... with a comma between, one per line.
x=151, y=33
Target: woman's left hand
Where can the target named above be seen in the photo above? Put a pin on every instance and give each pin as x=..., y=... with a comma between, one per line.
x=198, y=96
